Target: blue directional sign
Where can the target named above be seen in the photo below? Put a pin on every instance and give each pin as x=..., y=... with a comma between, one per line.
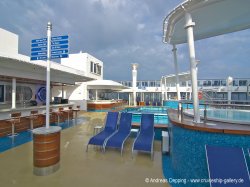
x=39, y=49
x=55, y=38
x=42, y=44
x=58, y=52
x=40, y=53
x=59, y=56
x=58, y=47
x=38, y=58
x=59, y=42
x=39, y=40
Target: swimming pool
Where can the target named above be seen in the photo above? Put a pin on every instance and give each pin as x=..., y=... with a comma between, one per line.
x=7, y=142
x=160, y=114
x=225, y=115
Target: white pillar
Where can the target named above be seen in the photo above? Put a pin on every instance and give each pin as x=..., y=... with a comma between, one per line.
x=174, y=50
x=162, y=91
x=166, y=92
x=96, y=94
x=134, y=80
x=62, y=92
x=229, y=89
x=193, y=64
x=129, y=99
x=13, y=93
x=49, y=30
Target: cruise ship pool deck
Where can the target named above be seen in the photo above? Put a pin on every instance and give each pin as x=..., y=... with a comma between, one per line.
x=80, y=168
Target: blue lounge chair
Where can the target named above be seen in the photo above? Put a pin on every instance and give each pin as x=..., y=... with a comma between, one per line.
x=109, y=129
x=118, y=139
x=154, y=103
x=227, y=163
x=147, y=103
x=158, y=103
x=145, y=139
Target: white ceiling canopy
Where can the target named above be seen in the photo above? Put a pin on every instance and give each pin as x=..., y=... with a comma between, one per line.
x=105, y=85
x=184, y=76
x=211, y=17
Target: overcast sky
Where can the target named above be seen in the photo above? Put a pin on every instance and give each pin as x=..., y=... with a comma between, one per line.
x=121, y=32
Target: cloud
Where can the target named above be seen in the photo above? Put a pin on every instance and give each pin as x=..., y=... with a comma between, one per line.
x=121, y=32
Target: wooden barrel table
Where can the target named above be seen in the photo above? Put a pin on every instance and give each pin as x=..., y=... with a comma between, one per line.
x=46, y=150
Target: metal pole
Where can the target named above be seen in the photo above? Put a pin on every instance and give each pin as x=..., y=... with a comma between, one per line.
x=13, y=93
x=193, y=64
x=176, y=72
x=49, y=30
x=134, y=81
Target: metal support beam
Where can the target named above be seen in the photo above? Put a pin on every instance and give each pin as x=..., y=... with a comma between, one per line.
x=193, y=64
x=174, y=50
x=13, y=93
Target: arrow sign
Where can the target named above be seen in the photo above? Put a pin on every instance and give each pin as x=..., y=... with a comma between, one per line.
x=39, y=40
x=55, y=38
x=58, y=47
x=59, y=56
x=57, y=52
x=43, y=44
x=38, y=58
x=39, y=49
x=59, y=42
x=39, y=53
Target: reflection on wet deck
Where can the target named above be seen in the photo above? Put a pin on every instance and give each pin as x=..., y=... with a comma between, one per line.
x=79, y=168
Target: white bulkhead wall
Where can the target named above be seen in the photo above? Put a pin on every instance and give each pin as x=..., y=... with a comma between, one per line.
x=11, y=40
x=82, y=61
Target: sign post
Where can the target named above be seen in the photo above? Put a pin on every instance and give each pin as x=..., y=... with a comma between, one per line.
x=47, y=49
x=49, y=30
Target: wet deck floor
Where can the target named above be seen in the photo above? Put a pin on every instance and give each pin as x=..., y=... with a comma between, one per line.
x=80, y=168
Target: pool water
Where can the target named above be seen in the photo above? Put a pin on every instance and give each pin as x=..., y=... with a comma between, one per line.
x=160, y=114
x=229, y=115
x=225, y=115
x=27, y=136
x=158, y=119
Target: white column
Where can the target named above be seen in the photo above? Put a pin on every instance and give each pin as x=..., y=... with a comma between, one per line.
x=166, y=92
x=49, y=30
x=174, y=50
x=13, y=93
x=129, y=99
x=193, y=64
x=62, y=92
x=229, y=89
x=134, y=80
x=162, y=90
x=96, y=94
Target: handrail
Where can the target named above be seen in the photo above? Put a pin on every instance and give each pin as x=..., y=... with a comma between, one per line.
x=214, y=105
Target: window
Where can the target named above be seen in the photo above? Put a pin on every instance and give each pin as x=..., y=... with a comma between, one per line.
x=183, y=83
x=242, y=82
x=223, y=82
x=95, y=68
x=99, y=69
x=206, y=83
x=216, y=83
x=158, y=83
x=235, y=83
x=92, y=67
x=145, y=83
x=1, y=93
x=152, y=84
x=23, y=93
